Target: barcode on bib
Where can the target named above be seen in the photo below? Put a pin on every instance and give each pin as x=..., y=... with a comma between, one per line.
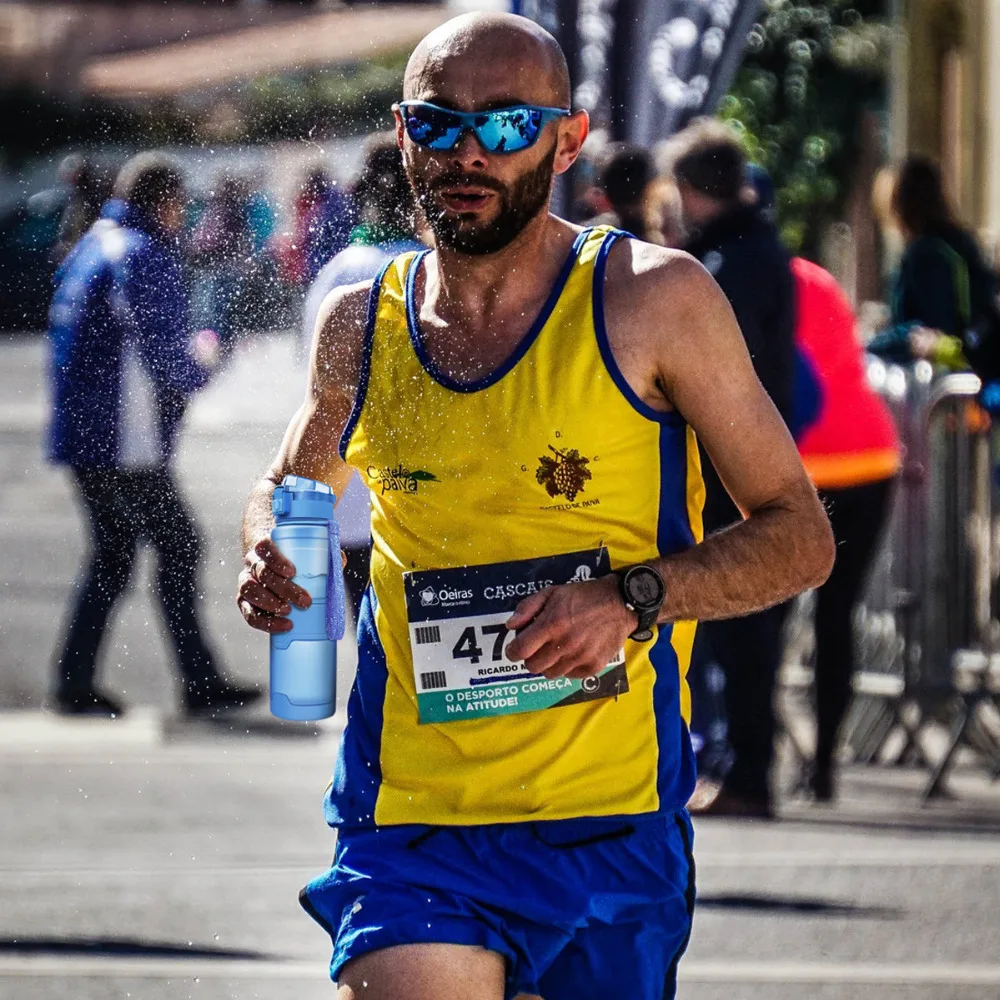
x=435, y=679
x=428, y=633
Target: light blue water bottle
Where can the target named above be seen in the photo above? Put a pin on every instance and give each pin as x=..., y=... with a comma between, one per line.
x=304, y=659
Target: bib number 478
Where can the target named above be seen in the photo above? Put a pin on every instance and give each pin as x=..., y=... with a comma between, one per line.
x=467, y=647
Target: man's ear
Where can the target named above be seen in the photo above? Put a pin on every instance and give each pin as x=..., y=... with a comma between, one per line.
x=573, y=132
x=400, y=128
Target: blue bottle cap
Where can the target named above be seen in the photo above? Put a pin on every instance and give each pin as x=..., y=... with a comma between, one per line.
x=298, y=497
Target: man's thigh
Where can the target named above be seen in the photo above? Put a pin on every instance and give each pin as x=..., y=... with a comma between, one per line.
x=424, y=972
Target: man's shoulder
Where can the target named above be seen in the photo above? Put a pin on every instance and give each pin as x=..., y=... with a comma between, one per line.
x=343, y=315
x=650, y=274
x=348, y=302
x=338, y=346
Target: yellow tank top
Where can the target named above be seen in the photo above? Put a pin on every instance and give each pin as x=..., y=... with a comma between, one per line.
x=550, y=469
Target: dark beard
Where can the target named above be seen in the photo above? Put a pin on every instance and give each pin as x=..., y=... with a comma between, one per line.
x=519, y=204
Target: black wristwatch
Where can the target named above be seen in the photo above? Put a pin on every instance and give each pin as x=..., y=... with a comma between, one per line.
x=642, y=590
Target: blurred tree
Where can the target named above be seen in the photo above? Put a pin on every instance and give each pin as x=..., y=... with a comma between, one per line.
x=812, y=68
x=310, y=104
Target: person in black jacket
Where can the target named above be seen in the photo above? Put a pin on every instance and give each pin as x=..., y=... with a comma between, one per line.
x=943, y=289
x=740, y=247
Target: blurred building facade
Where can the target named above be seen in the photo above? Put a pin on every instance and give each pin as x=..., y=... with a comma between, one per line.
x=946, y=101
x=49, y=44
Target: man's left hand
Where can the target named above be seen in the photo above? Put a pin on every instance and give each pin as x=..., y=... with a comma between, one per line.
x=574, y=630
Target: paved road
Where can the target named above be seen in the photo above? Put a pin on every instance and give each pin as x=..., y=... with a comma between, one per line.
x=153, y=859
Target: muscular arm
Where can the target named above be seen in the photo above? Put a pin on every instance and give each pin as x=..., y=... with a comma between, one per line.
x=678, y=343
x=784, y=545
x=310, y=448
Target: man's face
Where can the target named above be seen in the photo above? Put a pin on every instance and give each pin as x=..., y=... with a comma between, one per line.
x=477, y=202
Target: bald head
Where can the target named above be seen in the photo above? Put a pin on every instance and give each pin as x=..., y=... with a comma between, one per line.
x=486, y=58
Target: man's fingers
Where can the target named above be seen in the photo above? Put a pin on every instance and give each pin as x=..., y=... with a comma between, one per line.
x=268, y=578
x=263, y=621
x=562, y=658
x=549, y=657
x=268, y=552
x=529, y=640
x=266, y=600
x=580, y=673
x=528, y=609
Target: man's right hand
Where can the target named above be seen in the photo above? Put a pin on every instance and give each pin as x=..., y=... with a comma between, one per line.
x=266, y=592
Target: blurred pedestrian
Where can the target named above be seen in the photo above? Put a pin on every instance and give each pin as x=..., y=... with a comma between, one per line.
x=87, y=190
x=741, y=249
x=852, y=454
x=944, y=304
x=325, y=215
x=121, y=372
x=387, y=229
x=664, y=216
x=624, y=180
x=221, y=248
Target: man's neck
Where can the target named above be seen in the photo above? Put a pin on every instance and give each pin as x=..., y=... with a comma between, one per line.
x=472, y=290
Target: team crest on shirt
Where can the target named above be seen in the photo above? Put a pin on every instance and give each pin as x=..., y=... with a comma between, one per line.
x=565, y=473
x=398, y=478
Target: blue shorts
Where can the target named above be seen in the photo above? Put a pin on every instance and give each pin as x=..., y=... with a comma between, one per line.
x=577, y=908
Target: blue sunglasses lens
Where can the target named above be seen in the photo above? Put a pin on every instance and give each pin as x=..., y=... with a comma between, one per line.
x=502, y=131
x=432, y=128
x=508, y=131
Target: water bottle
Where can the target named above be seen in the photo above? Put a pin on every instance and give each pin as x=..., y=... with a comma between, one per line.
x=304, y=659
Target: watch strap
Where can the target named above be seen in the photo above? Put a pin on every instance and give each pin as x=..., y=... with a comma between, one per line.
x=646, y=617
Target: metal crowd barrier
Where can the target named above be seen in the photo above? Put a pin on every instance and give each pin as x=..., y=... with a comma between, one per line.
x=928, y=628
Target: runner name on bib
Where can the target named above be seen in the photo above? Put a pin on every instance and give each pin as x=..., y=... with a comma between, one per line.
x=459, y=640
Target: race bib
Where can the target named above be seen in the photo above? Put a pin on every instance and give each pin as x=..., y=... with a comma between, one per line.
x=459, y=641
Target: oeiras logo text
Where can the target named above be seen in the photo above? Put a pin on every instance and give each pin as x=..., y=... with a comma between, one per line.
x=430, y=597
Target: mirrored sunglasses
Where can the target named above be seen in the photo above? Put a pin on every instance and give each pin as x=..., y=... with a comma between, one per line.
x=504, y=130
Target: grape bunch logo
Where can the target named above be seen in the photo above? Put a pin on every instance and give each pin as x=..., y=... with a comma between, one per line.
x=564, y=475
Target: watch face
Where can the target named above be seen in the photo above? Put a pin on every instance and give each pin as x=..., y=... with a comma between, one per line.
x=644, y=588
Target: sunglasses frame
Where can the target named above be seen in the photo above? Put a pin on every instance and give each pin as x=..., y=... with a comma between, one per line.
x=467, y=123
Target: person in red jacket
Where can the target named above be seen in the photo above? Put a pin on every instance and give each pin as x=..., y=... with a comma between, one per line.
x=852, y=454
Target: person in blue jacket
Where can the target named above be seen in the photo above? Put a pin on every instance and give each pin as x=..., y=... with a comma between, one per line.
x=121, y=371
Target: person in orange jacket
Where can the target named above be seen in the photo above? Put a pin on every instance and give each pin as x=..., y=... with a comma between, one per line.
x=852, y=453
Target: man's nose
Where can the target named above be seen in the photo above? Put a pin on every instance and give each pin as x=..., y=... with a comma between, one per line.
x=468, y=153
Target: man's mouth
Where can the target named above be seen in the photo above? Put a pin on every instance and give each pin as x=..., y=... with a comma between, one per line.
x=464, y=199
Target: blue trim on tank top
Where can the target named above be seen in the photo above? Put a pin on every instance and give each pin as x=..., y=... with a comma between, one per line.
x=352, y=795
x=441, y=377
x=604, y=345
x=366, y=361
x=675, y=766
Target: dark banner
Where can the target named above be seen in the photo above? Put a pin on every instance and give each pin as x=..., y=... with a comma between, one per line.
x=645, y=68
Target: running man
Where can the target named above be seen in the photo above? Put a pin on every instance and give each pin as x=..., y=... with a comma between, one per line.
x=523, y=403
